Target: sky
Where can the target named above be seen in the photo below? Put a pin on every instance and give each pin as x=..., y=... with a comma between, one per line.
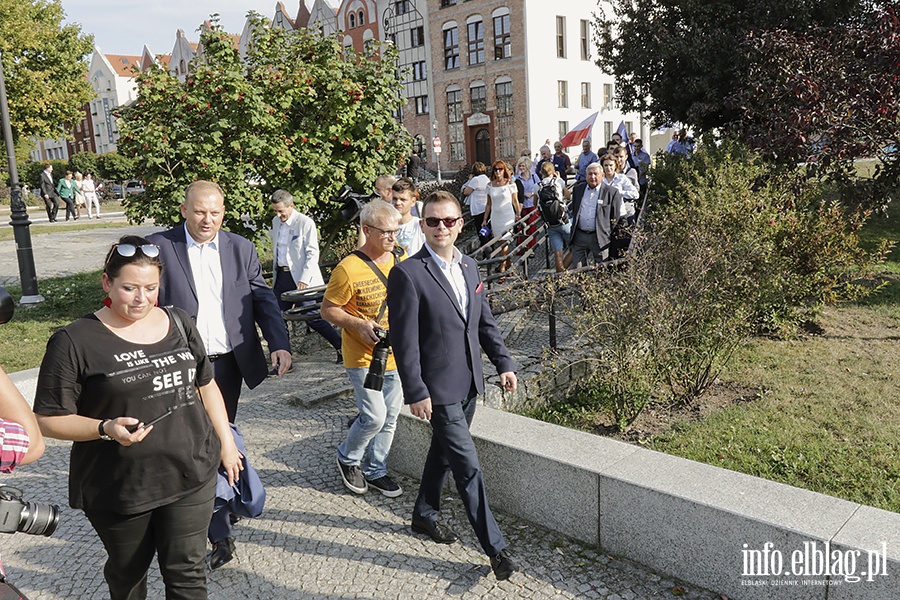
x=124, y=26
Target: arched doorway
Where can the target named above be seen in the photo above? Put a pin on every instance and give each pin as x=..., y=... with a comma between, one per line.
x=483, y=146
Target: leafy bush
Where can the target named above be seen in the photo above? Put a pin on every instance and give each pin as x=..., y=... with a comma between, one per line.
x=729, y=250
x=786, y=250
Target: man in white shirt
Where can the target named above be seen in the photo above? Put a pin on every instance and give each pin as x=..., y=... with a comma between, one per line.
x=215, y=277
x=405, y=200
x=594, y=208
x=295, y=243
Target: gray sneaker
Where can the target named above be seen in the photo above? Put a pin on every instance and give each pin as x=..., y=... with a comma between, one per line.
x=386, y=486
x=353, y=478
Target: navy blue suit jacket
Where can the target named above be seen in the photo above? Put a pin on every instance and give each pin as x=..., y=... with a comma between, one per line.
x=246, y=297
x=438, y=351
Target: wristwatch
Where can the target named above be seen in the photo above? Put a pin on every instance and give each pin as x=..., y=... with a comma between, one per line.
x=102, y=433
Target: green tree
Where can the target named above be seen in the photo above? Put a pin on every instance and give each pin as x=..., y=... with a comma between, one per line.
x=116, y=166
x=44, y=62
x=295, y=113
x=84, y=162
x=681, y=59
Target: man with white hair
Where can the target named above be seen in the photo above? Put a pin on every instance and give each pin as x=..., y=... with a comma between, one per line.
x=595, y=208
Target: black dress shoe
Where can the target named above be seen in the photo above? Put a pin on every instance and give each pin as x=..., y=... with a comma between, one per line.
x=503, y=566
x=436, y=531
x=222, y=553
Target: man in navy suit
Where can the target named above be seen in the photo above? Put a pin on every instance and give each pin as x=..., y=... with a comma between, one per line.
x=215, y=276
x=440, y=321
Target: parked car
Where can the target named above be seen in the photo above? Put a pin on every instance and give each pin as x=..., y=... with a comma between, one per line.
x=134, y=187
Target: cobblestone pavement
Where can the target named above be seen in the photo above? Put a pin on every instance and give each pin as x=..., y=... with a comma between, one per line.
x=66, y=252
x=316, y=540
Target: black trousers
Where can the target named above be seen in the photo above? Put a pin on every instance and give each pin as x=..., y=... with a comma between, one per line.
x=228, y=377
x=70, y=208
x=284, y=282
x=52, y=206
x=175, y=532
x=453, y=450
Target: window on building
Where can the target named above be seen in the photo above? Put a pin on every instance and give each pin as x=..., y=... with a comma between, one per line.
x=585, y=94
x=421, y=105
x=607, y=131
x=360, y=18
x=419, y=71
x=607, y=96
x=561, y=37
x=502, y=46
x=451, y=48
x=455, y=125
x=563, y=129
x=478, y=98
x=504, y=98
x=352, y=20
x=629, y=127
x=506, y=138
x=585, y=40
x=401, y=7
x=475, y=31
x=562, y=89
x=417, y=37
x=445, y=3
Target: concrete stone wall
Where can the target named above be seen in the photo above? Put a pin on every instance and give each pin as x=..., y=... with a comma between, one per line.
x=701, y=524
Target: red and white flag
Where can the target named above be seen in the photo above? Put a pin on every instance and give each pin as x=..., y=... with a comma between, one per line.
x=579, y=132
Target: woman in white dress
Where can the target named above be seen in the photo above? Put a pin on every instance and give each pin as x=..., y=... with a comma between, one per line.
x=503, y=208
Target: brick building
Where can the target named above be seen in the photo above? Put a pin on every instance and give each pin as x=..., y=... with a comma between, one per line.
x=512, y=75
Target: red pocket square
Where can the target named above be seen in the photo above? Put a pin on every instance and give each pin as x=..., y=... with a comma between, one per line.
x=480, y=286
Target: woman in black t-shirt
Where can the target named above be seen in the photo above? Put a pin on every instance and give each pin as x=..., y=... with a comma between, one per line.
x=146, y=483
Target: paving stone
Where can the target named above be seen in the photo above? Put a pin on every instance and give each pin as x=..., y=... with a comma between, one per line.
x=315, y=539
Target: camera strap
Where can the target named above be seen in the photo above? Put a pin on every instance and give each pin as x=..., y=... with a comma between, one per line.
x=365, y=258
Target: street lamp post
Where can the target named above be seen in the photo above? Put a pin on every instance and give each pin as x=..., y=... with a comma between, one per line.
x=19, y=217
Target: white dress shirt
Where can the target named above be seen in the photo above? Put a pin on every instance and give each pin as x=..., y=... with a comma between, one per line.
x=452, y=271
x=206, y=266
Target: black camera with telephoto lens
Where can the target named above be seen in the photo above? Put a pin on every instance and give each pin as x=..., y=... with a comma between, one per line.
x=34, y=518
x=16, y=514
x=351, y=203
x=381, y=351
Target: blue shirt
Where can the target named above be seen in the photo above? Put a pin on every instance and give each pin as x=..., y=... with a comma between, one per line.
x=584, y=160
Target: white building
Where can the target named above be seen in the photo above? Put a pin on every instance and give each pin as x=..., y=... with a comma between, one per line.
x=564, y=85
x=112, y=77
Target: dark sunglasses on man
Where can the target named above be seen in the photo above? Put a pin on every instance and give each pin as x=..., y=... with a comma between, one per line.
x=448, y=222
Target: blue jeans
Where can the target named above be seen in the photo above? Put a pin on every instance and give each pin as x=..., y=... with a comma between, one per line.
x=559, y=236
x=369, y=440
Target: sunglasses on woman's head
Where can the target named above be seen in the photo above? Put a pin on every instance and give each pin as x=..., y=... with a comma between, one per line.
x=129, y=250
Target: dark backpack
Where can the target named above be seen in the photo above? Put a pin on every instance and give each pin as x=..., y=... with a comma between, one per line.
x=550, y=205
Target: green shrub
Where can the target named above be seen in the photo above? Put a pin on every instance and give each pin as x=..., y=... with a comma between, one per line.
x=785, y=249
x=729, y=250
